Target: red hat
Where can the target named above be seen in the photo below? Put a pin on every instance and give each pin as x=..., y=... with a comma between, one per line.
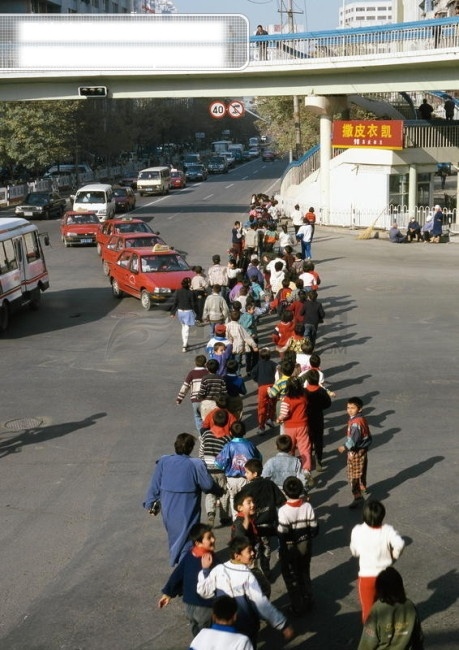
x=220, y=330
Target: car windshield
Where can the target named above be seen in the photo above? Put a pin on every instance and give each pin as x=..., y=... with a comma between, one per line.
x=153, y=263
x=141, y=242
x=82, y=218
x=132, y=227
x=176, y=174
x=37, y=199
x=90, y=197
x=149, y=176
x=120, y=192
x=195, y=168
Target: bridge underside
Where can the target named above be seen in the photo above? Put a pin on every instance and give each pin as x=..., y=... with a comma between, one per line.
x=419, y=72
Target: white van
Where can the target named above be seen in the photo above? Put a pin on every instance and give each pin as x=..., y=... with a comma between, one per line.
x=98, y=198
x=154, y=180
x=23, y=272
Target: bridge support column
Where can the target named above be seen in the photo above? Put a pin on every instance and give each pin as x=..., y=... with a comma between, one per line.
x=325, y=107
x=412, y=190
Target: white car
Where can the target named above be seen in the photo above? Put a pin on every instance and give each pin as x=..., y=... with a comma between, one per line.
x=229, y=157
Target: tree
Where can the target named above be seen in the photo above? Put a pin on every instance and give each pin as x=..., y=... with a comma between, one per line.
x=35, y=134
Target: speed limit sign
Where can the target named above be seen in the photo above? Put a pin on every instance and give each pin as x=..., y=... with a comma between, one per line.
x=217, y=110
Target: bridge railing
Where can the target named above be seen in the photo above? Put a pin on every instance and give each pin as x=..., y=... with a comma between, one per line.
x=371, y=41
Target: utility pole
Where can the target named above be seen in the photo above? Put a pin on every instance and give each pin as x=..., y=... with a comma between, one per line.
x=296, y=102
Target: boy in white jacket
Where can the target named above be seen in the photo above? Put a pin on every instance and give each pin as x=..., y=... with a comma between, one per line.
x=377, y=546
x=235, y=579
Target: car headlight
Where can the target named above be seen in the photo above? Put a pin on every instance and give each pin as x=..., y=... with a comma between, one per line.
x=18, y=209
x=39, y=208
x=72, y=234
x=162, y=290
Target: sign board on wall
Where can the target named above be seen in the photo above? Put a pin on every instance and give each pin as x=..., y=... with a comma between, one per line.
x=369, y=134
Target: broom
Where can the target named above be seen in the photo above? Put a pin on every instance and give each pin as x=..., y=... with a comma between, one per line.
x=368, y=232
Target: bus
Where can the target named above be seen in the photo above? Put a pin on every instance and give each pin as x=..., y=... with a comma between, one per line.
x=23, y=272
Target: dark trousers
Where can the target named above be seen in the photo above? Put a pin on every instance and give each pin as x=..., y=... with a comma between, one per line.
x=295, y=562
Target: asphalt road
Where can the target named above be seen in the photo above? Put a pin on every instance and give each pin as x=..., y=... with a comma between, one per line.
x=88, y=388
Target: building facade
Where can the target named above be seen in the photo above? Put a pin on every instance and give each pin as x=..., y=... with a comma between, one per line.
x=367, y=13
x=87, y=7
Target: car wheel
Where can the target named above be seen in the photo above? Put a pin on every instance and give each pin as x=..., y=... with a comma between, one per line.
x=66, y=244
x=35, y=300
x=145, y=300
x=4, y=317
x=105, y=268
x=141, y=193
x=46, y=215
x=116, y=289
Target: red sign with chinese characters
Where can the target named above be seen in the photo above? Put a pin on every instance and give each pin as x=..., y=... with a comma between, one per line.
x=370, y=134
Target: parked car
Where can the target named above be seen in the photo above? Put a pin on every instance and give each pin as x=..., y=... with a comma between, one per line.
x=217, y=165
x=254, y=152
x=196, y=173
x=152, y=275
x=79, y=228
x=178, y=179
x=118, y=226
x=117, y=243
x=41, y=205
x=124, y=199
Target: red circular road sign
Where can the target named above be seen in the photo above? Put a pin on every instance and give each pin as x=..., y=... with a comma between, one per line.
x=236, y=109
x=217, y=109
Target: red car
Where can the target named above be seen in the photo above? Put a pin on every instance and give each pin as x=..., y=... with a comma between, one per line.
x=153, y=275
x=117, y=243
x=117, y=226
x=124, y=199
x=79, y=228
x=178, y=179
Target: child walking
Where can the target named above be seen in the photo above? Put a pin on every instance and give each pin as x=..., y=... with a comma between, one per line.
x=264, y=374
x=358, y=440
x=297, y=527
x=377, y=546
x=184, y=579
x=234, y=578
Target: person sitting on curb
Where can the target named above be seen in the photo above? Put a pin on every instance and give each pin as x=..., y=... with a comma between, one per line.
x=396, y=236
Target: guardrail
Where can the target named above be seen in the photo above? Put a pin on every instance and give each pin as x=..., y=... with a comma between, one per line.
x=370, y=41
x=14, y=193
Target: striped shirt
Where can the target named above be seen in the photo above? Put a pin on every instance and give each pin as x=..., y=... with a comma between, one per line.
x=210, y=446
x=192, y=384
x=297, y=522
x=212, y=387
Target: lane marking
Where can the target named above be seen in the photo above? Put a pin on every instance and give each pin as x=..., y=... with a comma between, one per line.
x=207, y=197
x=228, y=186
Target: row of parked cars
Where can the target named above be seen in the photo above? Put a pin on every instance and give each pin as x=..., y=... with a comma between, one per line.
x=101, y=198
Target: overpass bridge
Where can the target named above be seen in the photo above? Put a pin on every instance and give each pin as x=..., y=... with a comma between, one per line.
x=49, y=56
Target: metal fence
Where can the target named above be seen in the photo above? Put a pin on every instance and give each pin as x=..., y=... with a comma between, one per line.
x=402, y=38
x=383, y=220
x=14, y=193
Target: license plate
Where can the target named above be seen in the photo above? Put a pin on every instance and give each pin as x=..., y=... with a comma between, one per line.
x=86, y=241
x=28, y=214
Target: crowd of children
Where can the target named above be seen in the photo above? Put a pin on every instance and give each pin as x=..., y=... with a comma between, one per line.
x=267, y=506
